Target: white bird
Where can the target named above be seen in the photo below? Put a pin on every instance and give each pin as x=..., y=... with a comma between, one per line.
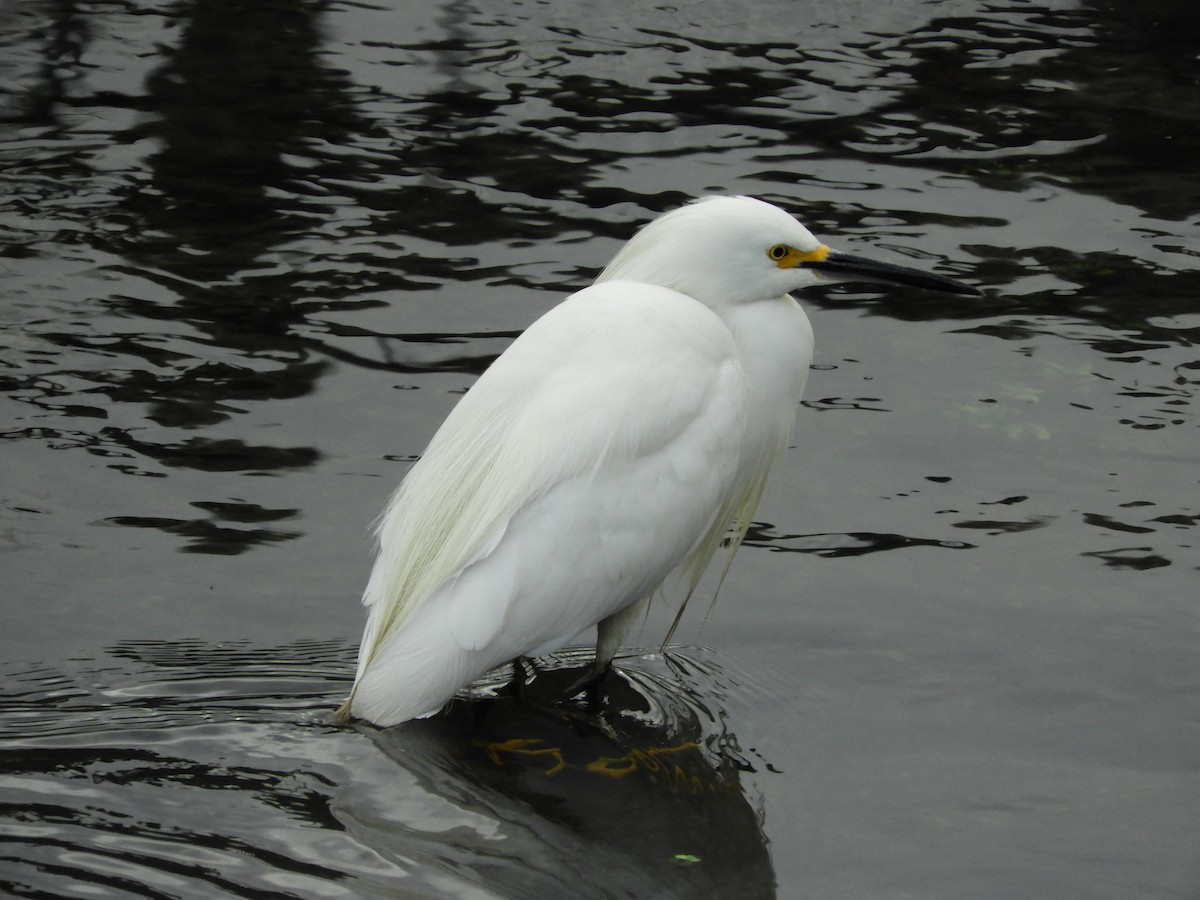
x=617, y=442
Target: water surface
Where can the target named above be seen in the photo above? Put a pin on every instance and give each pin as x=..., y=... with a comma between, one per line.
x=252, y=254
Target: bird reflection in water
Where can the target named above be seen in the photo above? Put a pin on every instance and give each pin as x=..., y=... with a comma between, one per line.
x=638, y=793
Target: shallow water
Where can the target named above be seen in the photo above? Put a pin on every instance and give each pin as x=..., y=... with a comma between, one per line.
x=251, y=255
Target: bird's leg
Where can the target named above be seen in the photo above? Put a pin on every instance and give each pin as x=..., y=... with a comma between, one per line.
x=588, y=681
x=519, y=680
x=609, y=635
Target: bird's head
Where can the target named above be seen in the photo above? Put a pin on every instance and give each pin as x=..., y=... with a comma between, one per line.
x=732, y=250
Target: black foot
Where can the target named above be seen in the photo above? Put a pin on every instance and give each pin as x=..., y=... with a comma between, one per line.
x=521, y=667
x=589, y=684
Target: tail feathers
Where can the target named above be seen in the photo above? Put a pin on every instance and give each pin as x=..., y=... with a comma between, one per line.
x=411, y=676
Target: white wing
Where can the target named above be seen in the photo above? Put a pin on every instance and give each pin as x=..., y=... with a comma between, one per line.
x=590, y=460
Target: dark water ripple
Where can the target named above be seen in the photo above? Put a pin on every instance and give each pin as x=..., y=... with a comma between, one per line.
x=249, y=255
x=170, y=769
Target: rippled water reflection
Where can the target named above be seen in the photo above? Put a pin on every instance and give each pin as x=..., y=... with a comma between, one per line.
x=128, y=776
x=251, y=253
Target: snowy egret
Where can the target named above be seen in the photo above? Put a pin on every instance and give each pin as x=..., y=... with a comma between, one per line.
x=607, y=452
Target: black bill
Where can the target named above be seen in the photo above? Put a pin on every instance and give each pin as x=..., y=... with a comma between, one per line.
x=844, y=267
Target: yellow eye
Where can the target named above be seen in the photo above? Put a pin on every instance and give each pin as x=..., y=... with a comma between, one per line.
x=778, y=252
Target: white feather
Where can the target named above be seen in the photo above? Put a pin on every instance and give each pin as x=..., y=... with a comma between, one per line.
x=618, y=439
